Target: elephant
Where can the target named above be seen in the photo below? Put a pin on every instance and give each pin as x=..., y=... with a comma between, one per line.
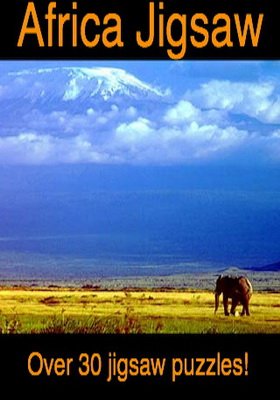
x=238, y=289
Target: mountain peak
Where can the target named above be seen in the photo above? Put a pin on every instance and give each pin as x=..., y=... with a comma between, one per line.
x=274, y=267
x=85, y=82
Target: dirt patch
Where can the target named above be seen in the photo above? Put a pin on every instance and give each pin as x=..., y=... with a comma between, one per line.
x=50, y=301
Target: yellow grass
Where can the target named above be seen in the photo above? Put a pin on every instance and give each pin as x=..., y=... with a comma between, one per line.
x=173, y=311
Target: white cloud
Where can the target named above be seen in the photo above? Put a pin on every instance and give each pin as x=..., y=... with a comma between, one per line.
x=140, y=141
x=276, y=134
x=25, y=148
x=182, y=112
x=90, y=111
x=135, y=131
x=218, y=119
x=257, y=100
x=185, y=112
x=30, y=148
x=272, y=113
x=131, y=112
x=162, y=143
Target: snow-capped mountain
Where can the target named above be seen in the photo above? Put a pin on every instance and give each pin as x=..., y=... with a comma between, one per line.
x=80, y=84
x=43, y=111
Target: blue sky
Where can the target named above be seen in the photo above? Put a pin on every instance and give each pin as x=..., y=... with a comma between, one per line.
x=186, y=154
x=226, y=113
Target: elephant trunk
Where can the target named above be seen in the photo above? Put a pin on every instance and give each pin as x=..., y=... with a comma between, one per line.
x=217, y=296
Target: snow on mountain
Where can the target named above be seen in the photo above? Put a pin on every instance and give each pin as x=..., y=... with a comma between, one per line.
x=80, y=83
x=74, y=114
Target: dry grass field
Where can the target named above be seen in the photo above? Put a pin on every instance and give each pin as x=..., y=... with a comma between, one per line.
x=76, y=310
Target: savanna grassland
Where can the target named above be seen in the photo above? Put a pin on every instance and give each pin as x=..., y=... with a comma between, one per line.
x=89, y=310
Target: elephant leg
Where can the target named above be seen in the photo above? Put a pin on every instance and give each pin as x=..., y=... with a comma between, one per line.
x=245, y=309
x=225, y=301
x=246, y=306
x=233, y=306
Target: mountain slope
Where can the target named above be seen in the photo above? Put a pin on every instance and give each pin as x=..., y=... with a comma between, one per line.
x=76, y=83
x=274, y=267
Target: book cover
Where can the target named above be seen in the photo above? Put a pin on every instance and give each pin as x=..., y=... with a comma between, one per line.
x=139, y=195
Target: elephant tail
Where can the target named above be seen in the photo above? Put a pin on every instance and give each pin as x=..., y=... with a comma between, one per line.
x=250, y=287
